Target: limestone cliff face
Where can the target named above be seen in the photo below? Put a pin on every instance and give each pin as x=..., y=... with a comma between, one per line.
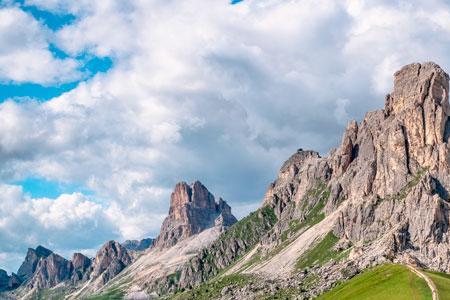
x=383, y=193
x=31, y=261
x=391, y=171
x=81, y=266
x=44, y=269
x=110, y=260
x=192, y=209
x=50, y=271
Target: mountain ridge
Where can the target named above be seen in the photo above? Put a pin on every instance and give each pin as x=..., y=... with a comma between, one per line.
x=382, y=196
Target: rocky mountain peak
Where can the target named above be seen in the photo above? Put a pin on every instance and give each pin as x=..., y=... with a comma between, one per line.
x=192, y=209
x=50, y=271
x=389, y=178
x=110, y=260
x=414, y=84
x=196, y=195
x=81, y=265
x=31, y=261
x=419, y=109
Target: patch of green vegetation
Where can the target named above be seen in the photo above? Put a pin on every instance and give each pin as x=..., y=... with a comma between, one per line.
x=51, y=294
x=320, y=253
x=320, y=190
x=212, y=289
x=245, y=234
x=264, y=218
x=385, y=282
x=111, y=294
x=314, y=216
x=172, y=279
x=294, y=227
x=253, y=260
x=309, y=281
x=442, y=282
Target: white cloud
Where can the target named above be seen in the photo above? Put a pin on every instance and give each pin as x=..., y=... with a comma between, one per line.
x=340, y=112
x=209, y=91
x=24, y=52
x=71, y=221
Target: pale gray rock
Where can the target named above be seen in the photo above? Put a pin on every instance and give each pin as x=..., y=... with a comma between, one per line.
x=50, y=271
x=28, y=267
x=110, y=260
x=192, y=209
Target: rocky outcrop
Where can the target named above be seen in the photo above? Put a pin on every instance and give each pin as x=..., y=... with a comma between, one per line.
x=381, y=196
x=110, y=260
x=136, y=245
x=81, y=267
x=28, y=267
x=230, y=246
x=383, y=193
x=392, y=169
x=399, y=182
x=192, y=209
x=45, y=269
x=51, y=271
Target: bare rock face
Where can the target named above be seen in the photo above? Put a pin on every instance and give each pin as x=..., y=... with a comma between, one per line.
x=32, y=259
x=81, y=266
x=50, y=271
x=192, y=209
x=110, y=260
x=392, y=170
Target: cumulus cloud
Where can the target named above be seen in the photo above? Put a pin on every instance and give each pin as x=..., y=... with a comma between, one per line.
x=25, y=54
x=210, y=91
x=71, y=221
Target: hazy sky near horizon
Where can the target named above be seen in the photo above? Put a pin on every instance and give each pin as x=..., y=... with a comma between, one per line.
x=106, y=105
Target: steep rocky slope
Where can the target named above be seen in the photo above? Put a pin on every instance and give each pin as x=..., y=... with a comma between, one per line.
x=195, y=221
x=381, y=196
x=33, y=257
x=192, y=209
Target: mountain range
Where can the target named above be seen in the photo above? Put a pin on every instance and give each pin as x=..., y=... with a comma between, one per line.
x=377, y=205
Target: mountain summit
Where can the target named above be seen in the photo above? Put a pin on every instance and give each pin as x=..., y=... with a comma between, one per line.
x=381, y=197
x=192, y=209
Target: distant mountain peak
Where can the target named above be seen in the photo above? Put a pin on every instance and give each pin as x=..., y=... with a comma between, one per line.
x=31, y=261
x=192, y=209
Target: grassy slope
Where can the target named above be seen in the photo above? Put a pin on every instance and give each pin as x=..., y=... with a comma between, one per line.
x=320, y=253
x=442, y=282
x=384, y=282
x=111, y=294
x=213, y=288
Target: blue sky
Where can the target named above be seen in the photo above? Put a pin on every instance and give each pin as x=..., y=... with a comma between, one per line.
x=90, y=65
x=52, y=20
x=114, y=102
